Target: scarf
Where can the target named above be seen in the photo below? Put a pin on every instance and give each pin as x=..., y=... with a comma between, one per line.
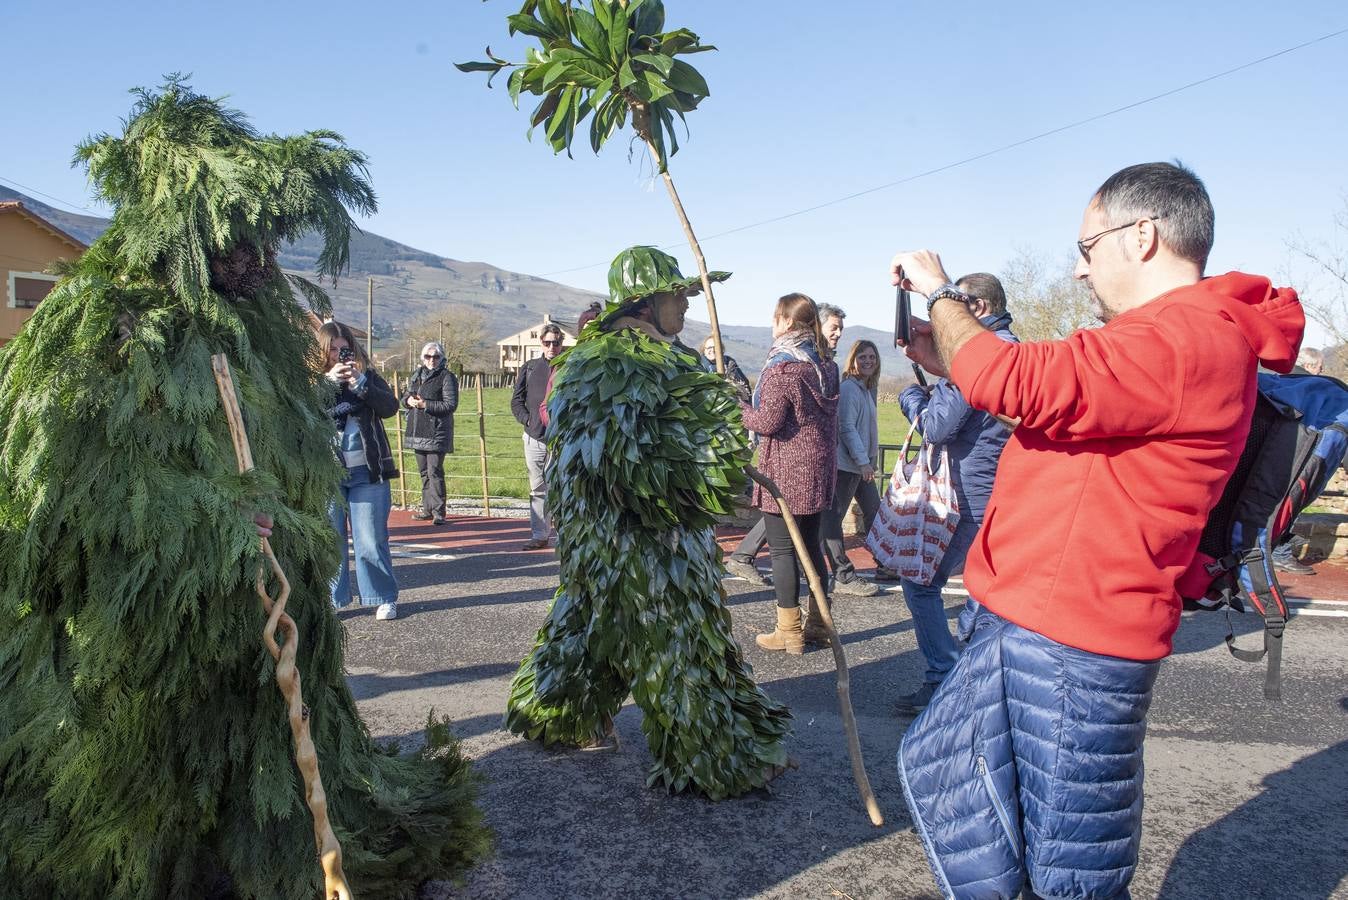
x=794, y=346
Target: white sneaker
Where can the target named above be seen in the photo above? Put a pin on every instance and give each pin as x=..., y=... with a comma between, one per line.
x=386, y=611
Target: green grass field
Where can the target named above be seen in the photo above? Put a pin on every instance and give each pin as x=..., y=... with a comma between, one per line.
x=506, y=474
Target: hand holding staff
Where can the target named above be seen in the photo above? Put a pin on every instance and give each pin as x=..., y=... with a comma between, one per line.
x=287, y=673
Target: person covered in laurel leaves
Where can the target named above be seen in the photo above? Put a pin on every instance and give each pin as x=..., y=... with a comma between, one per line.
x=648, y=450
x=143, y=745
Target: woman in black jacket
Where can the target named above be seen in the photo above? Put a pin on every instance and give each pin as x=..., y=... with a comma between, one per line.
x=361, y=402
x=430, y=399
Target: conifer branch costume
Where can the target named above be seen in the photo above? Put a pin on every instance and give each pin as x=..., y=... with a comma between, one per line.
x=647, y=451
x=139, y=756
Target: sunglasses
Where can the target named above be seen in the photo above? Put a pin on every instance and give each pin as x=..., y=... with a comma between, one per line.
x=430, y=356
x=552, y=343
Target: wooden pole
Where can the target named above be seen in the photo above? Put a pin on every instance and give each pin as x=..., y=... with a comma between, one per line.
x=641, y=122
x=839, y=656
x=482, y=447
x=287, y=673
x=369, y=317
x=402, y=459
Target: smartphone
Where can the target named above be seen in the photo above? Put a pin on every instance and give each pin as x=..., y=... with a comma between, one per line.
x=903, y=318
x=346, y=354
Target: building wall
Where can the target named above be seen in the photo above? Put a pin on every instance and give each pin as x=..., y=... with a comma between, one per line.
x=523, y=346
x=24, y=248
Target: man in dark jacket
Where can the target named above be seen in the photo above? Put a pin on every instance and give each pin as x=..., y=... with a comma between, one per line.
x=431, y=397
x=973, y=441
x=531, y=386
x=1025, y=771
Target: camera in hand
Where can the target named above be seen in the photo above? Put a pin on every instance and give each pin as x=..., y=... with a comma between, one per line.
x=346, y=354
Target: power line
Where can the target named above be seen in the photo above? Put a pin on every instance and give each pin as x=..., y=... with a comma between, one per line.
x=985, y=154
x=24, y=187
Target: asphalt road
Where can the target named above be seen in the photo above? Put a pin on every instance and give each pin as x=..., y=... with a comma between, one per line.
x=1243, y=798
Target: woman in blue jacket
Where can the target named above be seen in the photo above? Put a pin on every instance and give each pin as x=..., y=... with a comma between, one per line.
x=973, y=441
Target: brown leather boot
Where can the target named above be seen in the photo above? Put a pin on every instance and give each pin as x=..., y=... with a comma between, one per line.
x=815, y=631
x=788, y=635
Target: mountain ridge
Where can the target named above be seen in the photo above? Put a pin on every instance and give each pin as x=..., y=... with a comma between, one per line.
x=412, y=284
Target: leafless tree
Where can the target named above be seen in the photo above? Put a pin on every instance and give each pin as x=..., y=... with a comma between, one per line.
x=463, y=333
x=1046, y=302
x=1319, y=269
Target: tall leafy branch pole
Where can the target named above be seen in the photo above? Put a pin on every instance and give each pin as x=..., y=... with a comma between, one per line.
x=605, y=63
x=614, y=61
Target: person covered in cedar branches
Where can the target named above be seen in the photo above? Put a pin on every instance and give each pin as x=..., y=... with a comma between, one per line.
x=647, y=451
x=143, y=748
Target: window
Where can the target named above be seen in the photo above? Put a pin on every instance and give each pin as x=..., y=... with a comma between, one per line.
x=27, y=289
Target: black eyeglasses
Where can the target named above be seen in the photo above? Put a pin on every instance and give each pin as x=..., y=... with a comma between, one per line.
x=430, y=356
x=552, y=343
x=1084, y=247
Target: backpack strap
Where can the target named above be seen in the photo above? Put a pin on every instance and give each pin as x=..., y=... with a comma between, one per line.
x=1257, y=581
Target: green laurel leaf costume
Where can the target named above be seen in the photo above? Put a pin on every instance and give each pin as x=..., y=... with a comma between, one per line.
x=647, y=450
x=144, y=747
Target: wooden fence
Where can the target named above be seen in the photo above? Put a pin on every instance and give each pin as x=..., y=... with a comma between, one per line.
x=471, y=386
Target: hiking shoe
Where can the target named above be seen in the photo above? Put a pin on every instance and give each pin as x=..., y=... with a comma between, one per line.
x=438, y=521
x=855, y=586
x=914, y=703
x=422, y=516
x=1293, y=566
x=745, y=570
x=386, y=611
x=536, y=544
x=883, y=574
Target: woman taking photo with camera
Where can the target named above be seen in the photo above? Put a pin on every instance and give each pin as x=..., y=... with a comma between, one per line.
x=362, y=400
x=431, y=397
x=795, y=413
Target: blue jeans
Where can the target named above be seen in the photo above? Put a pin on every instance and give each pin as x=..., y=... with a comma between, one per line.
x=369, y=506
x=928, y=609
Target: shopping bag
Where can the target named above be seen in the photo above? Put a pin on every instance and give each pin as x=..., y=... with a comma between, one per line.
x=918, y=513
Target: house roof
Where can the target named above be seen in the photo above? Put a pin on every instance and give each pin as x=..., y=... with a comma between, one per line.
x=16, y=206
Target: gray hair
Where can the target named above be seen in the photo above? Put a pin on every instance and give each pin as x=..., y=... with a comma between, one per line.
x=1169, y=193
x=436, y=346
x=1311, y=360
x=829, y=311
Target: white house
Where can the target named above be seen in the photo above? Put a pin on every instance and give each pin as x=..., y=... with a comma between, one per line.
x=522, y=346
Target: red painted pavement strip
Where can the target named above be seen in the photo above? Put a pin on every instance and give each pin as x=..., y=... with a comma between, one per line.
x=1329, y=584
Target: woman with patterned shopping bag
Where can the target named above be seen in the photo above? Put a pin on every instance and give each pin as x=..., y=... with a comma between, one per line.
x=973, y=441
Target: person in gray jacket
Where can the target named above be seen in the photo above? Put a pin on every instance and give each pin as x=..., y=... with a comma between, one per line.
x=430, y=399
x=858, y=458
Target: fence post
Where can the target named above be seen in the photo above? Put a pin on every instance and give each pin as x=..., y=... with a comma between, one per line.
x=482, y=447
x=402, y=458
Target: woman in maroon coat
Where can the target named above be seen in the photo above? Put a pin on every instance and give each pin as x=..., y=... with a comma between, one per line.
x=795, y=414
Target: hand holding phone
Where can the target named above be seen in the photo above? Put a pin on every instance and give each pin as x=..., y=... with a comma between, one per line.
x=903, y=317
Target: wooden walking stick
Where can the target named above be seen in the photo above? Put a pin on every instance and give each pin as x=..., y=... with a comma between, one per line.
x=839, y=657
x=287, y=673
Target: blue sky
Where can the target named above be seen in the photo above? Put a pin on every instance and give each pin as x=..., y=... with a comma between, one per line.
x=810, y=102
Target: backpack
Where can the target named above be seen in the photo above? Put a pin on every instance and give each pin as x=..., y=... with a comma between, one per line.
x=1297, y=439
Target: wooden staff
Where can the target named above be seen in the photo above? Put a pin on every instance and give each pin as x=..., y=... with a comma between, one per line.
x=287, y=673
x=839, y=657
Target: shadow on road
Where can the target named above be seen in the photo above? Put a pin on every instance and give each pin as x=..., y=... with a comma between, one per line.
x=1289, y=841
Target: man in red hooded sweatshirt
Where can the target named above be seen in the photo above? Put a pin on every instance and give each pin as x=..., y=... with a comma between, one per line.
x=1025, y=772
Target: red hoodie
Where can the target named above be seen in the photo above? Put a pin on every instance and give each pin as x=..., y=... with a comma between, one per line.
x=1128, y=434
